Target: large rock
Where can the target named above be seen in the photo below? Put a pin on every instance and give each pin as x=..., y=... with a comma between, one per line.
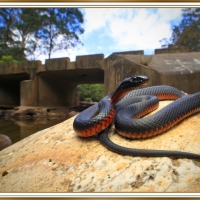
x=57, y=160
x=5, y=141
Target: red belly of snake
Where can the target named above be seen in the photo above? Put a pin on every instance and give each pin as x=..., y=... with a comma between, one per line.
x=127, y=114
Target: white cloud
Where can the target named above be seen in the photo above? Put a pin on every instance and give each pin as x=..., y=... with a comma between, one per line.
x=108, y=30
x=167, y=14
x=97, y=18
x=94, y=19
x=132, y=27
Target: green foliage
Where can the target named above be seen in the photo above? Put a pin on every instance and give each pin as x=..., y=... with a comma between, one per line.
x=187, y=33
x=91, y=92
x=7, y=59
x=88, y=99
x=9, y=42
x=61, y=27
x=30, y=32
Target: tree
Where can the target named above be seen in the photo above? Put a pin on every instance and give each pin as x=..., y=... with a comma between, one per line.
x=27, y=24
x=187, y=33
x=8, y=44
x=91, y=92
x=7, y=59
x=60, y=29
x=25, y=31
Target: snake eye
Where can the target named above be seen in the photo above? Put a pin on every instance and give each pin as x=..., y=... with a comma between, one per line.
x=136, y=79
x=133, y=79
x=139, y=79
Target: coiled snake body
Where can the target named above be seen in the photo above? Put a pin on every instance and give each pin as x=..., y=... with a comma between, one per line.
x=125, y=107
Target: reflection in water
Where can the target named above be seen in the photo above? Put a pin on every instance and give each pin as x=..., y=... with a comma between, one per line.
x=17, y=130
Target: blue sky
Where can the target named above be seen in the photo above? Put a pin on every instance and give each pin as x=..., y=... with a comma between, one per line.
x=109, y=30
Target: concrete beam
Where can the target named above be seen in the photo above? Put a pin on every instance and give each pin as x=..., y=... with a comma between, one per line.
x=31, y=67
x=139, y=52
x=56, y=64
x=90, y=61
x=11, y=68
x=172, y=50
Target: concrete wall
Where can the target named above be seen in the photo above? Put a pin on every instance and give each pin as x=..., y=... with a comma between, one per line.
x=119, y=67
x=89, y=61
x=181, y=70
x=54, y=84
x=189, y=83
x=172, y=50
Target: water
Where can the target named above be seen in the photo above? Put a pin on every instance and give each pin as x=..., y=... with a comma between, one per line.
x=19, y=129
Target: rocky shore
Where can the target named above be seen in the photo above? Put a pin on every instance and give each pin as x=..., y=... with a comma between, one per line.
x=57, y=160
x=20, y=115
x=23, y=112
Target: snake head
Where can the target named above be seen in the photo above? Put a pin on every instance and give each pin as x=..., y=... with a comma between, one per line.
x=133, y=82
x=127, y=85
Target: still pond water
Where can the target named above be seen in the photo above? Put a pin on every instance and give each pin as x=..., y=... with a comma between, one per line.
x=17, y=130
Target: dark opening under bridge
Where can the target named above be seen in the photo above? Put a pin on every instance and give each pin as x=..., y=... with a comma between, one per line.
x=54, y=84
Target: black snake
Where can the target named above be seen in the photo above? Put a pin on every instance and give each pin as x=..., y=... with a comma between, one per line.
x=126, y=105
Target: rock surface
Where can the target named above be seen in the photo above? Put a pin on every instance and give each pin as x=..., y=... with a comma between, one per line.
x=57, y=160
x=5, y=141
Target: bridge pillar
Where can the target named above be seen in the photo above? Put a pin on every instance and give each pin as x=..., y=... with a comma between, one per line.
x=28, y=88
x=28, y=95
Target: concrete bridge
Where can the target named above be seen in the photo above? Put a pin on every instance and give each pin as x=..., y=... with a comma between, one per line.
x=54, y=84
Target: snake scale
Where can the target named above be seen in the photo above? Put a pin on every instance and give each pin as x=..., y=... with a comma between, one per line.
x=126, y=106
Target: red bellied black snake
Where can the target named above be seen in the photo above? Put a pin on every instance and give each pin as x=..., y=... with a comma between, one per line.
x=126, y=105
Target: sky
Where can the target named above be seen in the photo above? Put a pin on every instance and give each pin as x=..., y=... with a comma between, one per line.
x=109, y=30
